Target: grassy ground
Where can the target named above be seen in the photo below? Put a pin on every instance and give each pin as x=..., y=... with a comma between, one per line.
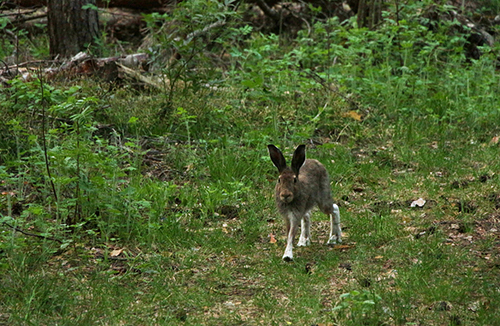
x=206, y=254
x=159, y=209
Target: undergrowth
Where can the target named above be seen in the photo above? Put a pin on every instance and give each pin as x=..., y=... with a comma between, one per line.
x=146, y=206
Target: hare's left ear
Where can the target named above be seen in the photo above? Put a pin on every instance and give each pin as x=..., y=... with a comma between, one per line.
x=299, y=156
x=277, y=157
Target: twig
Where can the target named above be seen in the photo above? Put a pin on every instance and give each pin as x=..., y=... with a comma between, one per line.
x=44, y=141
x=286, y=124
x=200, y=32
x=25, y=19
x=112, y=258
x=68, y=121
x=7, y=69
x=322, y=82
x=268, y=11
x=34, y=62
x=18, y=13
x=78, y=180
x=15, y=228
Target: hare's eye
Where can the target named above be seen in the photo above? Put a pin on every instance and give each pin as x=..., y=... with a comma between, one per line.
x=294, y=179
x=279, y=180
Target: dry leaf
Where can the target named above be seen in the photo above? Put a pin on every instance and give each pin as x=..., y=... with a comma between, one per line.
x=273, y=239
x=494, y=140
x=116, y=252
x=474, y=306
x=406, y=219
x=342, y=247
x=353, y=115
x=410, y=229
x=418, y=203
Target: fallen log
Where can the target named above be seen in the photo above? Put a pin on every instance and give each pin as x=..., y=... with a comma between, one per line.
x=131, y=4
x=82, y=64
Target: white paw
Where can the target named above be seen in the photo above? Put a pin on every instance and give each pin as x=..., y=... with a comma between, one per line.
x=288, y=256
x=334, y=240
x=303, y=242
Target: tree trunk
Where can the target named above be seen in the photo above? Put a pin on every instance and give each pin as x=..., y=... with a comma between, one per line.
x=369, y=12
x=71, y=28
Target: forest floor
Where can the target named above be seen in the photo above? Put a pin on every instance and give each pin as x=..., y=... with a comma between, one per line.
x=150, y=201
x=421, y=247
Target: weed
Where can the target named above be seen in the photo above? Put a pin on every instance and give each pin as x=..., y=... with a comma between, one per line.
x=163, y=209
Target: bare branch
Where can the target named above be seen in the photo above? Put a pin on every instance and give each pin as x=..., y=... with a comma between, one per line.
x=205, y=30
x=268, y=11
x=15, y=228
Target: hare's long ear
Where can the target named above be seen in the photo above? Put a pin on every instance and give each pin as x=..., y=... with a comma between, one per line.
x=277, y=157
x=299, y=156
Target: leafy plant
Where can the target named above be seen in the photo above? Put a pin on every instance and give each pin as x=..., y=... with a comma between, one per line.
x=359, y=306
x=182, y=40
x=173, y=222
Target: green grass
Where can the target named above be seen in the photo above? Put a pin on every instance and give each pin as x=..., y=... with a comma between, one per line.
x=203, y=256
x=165, y=202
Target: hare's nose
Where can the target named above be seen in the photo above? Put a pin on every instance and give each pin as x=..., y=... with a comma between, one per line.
x=287, y=196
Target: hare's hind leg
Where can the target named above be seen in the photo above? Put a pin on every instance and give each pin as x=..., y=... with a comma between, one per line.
x=335, y=231
x=305, y=233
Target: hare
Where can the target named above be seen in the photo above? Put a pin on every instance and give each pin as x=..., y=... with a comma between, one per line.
x=298, y=193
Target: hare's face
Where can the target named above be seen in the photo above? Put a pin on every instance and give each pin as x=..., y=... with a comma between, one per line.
x=287, y=186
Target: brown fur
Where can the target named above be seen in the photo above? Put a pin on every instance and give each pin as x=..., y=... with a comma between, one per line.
x=312, y=188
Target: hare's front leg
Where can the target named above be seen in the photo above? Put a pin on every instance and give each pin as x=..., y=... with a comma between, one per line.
x=305, y=233
x=292, y=227
x=335, y=231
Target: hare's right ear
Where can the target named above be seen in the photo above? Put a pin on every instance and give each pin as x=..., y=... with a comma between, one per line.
x=277, y=157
